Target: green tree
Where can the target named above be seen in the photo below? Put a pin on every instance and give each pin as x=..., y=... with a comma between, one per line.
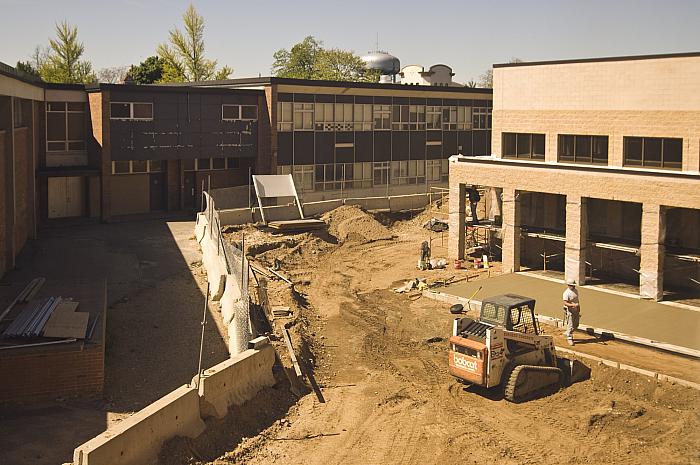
x=63, y=63
x=27, y=68
x=309, y=60
x=183, y=57
x=148, y=71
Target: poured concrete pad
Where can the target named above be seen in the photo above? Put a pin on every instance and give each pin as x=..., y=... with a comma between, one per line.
x=629, y=315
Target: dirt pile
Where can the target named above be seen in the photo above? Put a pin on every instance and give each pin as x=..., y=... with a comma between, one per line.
x=350, y=223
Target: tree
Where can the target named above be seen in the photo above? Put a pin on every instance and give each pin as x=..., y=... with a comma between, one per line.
x=27, y=68
x=148, y=71
x=486, y=79
x=309, y=60
x=63, y=63
x=113, y=75
x=471, y=83
x=183, y=58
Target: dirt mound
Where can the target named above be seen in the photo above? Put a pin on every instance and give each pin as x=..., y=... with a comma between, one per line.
x=350, y=223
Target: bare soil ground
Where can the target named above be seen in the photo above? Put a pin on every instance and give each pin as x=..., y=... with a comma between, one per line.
x=380, y=359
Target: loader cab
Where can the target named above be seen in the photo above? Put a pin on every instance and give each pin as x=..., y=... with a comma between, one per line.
x=510, y=311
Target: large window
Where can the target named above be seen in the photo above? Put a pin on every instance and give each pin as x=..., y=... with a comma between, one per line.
x=464, y=118
x=303, y=116
x=449, y=117
x=381, y=173
x=654, y=152
x=583, y=149
x=334, y=176
x=518, y=145
x=239, y=112
x=363, y=117
x=65, y=126
x=284, y=116
x=303, y=177
x=481, y=118
x=142, y=111
x=433, y=170
x=343, y=116
x=382, y=117
x=137, y=166
x=408, y=172
x=362, y=175
x=323, y=116
x=400, y=117
x=433, y=117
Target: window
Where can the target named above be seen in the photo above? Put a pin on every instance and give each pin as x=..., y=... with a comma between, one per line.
x=449, y=118
x=239, y=112
x=65, y=126
x=381, y=173
x=324, y=116
x=408, y=172
x=334, y=176
x=481, y=118
x=18, y=117
x=249, y=112
x=205, y=164
x=654, y=152
x=417, y=117
x=583, y=149
x=363, y=117
x=131, y=110
x=464, y=118
x=433, y=117
x=445, y=169
x=303, y=116
x=284, y=116
x=382, y=117
x=433, y=170
x=400, y=117
x=343, y=117
x=362, y=175
x=527, y=146
x=303, y=177
x=137, y=166
x=284, y=169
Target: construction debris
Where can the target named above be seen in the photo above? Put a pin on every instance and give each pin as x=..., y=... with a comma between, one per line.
x=31, y=321
x=27, y=294
x=436, y=225
x=297, y=225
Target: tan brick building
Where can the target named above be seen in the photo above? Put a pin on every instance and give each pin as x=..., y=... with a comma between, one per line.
x=595, y=164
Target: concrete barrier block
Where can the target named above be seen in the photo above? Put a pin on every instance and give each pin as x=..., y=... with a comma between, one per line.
x=235, y=381
x=641, y=371
x=235, y=216
x=259, y=342
x=215, y=266
x=137, y=440
x=317, y=208
x=200, y=227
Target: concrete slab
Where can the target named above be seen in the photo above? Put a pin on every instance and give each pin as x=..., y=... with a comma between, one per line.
x=635, y=317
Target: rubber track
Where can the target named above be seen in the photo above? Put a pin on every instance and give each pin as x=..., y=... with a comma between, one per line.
x=512, y=395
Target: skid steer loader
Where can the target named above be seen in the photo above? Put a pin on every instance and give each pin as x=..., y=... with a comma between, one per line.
x=504, y=348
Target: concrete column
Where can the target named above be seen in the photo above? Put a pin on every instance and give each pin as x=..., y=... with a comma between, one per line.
x=652, y=251
x=511, y=231
x=576, y=238
x=457, y=207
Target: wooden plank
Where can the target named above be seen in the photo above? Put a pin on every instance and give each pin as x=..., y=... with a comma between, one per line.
x=280, y=276
x=66, y=306
x=67, y=324
x=290, y=349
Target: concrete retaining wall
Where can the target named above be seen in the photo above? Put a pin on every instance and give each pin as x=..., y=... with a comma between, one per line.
x=138, y=439
x=235, y=381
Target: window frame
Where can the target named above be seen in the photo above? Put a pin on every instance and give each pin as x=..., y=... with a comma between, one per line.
x=531, y=145
x=579, y=159
x=382, y=113
x=487, y=113
x=66, y=140
x=149, y=167
x=303, y=108
x=240, y=112
x=644, y=140
x=131, y=111
x=285, y=125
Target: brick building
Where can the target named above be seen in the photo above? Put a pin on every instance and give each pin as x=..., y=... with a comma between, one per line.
x=596, y=167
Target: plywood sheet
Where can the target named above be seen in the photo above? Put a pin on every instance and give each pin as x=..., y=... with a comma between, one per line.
x=67, y=324
x=66, y=306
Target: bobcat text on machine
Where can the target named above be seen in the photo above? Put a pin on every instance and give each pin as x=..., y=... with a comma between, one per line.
x=504, y=348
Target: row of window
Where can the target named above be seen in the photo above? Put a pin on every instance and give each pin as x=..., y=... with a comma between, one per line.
x=343, y=176
x=298, y=116
x=157, y=166
x=143, y=111
x=653, y=152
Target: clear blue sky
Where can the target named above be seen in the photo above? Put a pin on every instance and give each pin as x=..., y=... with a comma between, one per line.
x=467, y=35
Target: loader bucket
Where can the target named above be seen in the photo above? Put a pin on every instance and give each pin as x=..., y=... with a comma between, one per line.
x=574, y=370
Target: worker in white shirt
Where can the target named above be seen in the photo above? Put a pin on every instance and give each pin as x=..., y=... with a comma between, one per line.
x=572, y=309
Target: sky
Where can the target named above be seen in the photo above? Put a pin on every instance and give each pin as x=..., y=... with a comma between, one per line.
x=467, y=35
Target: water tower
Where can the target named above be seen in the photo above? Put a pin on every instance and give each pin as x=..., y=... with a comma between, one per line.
x=386, y=63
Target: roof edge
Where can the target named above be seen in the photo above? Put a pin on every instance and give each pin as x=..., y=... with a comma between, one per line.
x=600, y=59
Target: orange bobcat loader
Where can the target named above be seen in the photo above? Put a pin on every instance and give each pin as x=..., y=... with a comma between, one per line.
x=504, y=348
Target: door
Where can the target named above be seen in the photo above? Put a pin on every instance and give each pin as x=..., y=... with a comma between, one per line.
x=66, y=197
x=189, y=190
x=157, y=191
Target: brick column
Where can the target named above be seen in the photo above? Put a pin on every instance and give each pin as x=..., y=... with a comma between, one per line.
x=652, y=251
x=457, y=231
x=511, y=231
x=576, y=238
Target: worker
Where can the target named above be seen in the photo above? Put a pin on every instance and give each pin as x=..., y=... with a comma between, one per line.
x=474, y=198
x=572, y=310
